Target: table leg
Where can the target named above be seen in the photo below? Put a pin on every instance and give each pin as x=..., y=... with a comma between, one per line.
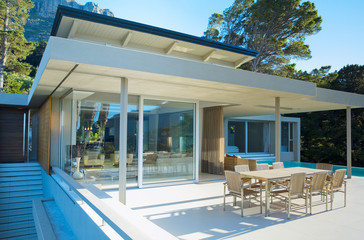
x=267, y=195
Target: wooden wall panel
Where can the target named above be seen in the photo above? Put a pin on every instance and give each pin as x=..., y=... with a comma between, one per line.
x=12, y=135
x=44, y=135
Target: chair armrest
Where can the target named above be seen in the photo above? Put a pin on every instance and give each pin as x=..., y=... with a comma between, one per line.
x=250, y=185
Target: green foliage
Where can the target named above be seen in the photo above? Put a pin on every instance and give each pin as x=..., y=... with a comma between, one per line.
x=275, y=28
x=15, y=83
x=323, y=134
x=14, y=48
x=35, y=57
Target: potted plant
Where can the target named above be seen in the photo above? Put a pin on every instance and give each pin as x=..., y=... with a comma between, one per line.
x=78, y=153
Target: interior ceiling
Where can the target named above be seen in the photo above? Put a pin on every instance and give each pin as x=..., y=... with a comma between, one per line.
x=237, y=100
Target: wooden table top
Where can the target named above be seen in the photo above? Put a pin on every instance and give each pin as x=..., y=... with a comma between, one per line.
x=276, y=174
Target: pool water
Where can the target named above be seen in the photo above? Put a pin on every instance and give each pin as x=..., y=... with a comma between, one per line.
x=356, y=171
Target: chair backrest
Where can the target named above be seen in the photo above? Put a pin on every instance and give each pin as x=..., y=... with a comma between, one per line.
x=324, y=166
x=241, y=168
x=252, y=164
x=233, y=180
x=338, y=178
x=277, y=165
x=297, y=183
x=318, y=181
x=262, y=166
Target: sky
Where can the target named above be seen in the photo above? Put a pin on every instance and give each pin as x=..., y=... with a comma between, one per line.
x=340, y=42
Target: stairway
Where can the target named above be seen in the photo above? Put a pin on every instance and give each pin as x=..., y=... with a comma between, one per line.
x=20, y=183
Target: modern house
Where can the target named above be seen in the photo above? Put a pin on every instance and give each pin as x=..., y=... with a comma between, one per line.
x=116, y=102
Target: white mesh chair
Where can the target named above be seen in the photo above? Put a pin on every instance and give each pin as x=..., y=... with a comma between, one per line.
x=236, y=188
x=325, y=166
x=295, y=189
x=262, y=166
x=317, y=187
x=277, y=165
x=336, y=185
x=241, y=168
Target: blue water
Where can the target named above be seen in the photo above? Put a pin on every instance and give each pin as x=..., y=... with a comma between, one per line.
x=356, y=171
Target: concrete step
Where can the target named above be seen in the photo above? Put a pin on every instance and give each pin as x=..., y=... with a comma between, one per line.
x=20, y=199
x=24, y=232
x=20, y=188
x=18, y=218
x=13, y=206
x=20, y=169
x=21, y=173
x=16, y=225
x=7, y=165
x=20, y=178
x=21, y=194
x=27, y=182
x=27, y=237
x=15, y=212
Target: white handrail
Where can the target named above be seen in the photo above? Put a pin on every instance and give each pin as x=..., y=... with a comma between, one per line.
x=127, y=224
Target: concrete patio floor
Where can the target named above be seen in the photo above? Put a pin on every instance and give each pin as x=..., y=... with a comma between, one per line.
x=195, y=211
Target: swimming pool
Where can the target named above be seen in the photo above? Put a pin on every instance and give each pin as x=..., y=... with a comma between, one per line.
x=356, y=171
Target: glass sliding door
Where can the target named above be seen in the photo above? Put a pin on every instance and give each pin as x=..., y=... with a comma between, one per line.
x=236, y=137
x=90, y=137
x=168, y=141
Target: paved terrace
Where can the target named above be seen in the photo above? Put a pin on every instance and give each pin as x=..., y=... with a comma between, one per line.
x=195, y=211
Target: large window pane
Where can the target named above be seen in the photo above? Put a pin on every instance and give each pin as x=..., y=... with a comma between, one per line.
x=258, y=137
x=168, y=144
x=90, y=136
x=236, y=137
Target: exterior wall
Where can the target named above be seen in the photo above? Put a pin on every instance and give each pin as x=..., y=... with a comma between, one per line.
x=13, y=135
x=55, y=132
x=44, y=134
x=81, y=224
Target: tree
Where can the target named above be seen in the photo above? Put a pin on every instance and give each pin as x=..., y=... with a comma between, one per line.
x=14, y=47
x=323, y=134
x=36, y=56
x=275, y=28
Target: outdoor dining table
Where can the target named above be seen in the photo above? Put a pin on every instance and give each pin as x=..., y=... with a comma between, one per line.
x=269, y=176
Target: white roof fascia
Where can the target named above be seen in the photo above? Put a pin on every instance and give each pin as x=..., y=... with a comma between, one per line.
x=114, y=57
x=339, y=97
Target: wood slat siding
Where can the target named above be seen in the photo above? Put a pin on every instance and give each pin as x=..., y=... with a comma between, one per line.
x=44, y=135
x=11, y=135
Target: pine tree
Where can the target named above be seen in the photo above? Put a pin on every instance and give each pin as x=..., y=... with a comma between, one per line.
x=13, y=46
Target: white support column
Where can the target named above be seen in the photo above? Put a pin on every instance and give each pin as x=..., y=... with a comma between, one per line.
x=140, y=141
x=123, y=138
x=197, y=142
x=348, y=141
x=278, y=129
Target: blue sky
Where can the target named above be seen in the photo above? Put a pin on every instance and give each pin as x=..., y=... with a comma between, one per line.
x=340, y=42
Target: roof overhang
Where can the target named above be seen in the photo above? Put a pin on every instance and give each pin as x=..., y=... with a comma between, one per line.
x=71, y=64
x=91, y=27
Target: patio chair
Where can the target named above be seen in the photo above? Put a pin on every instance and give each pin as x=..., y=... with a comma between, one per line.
x=317, y=187
x=243, y=168
x=236, y=188
x=336, y=185
x=277, y=165
x=262, y=166
x=295, y=189
x=325, y=166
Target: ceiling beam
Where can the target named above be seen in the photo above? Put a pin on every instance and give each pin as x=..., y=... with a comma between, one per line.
x=240, y=61
x=73, y=29
x=171, y=47
x=126, y=39
x=208, y=56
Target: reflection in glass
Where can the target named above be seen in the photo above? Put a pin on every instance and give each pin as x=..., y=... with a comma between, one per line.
x=168, y=141
x=90, y=137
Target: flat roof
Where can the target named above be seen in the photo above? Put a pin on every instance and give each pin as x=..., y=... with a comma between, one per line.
x=92, y=67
